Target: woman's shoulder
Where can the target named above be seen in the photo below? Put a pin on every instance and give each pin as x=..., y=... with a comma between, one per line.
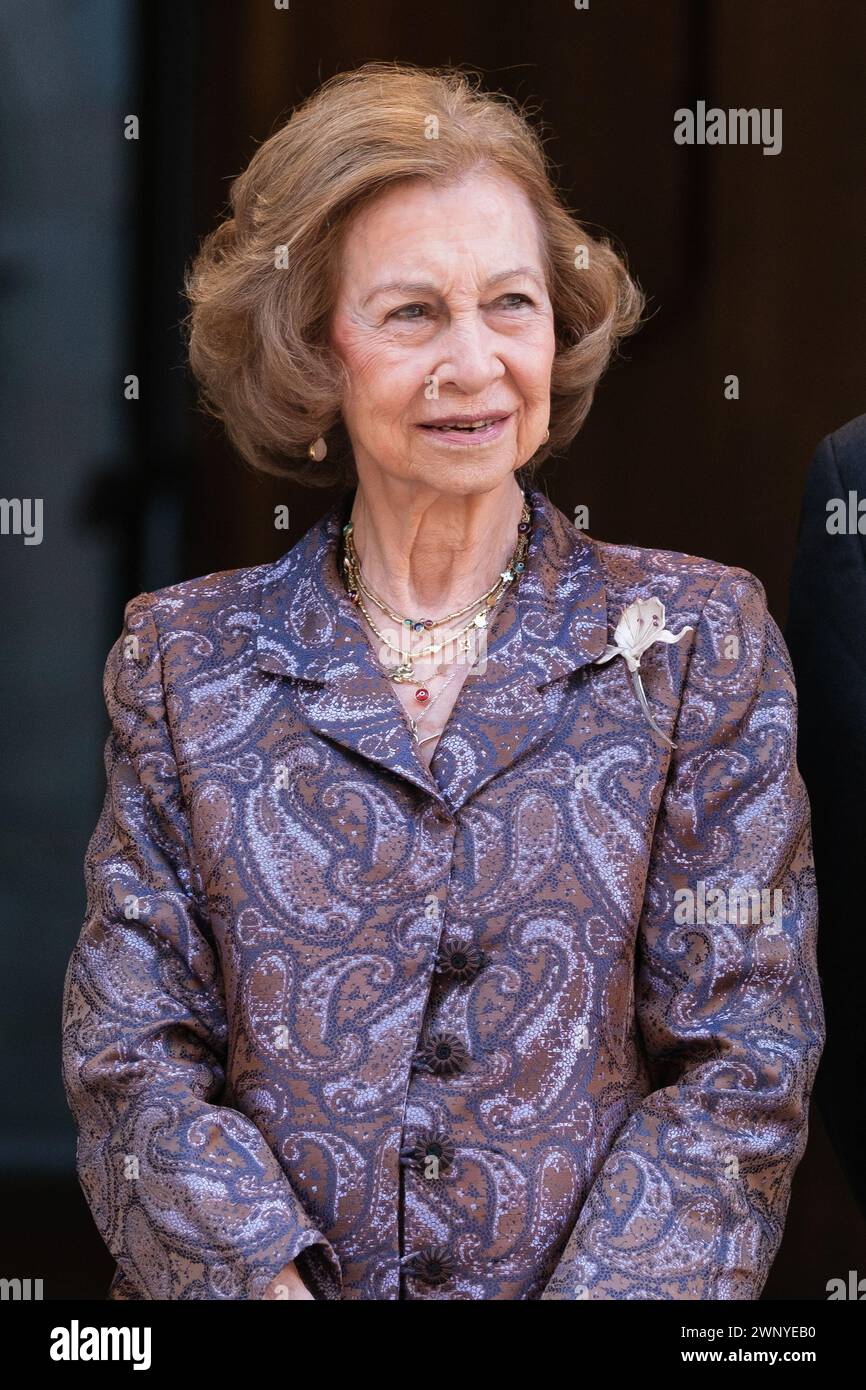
x=189, y=603
x=685, y=583
x=231, y=594
x=720, y=611
x=183, y=631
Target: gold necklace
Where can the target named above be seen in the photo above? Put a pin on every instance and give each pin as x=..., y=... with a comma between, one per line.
x=404, y=670
x=417, y=624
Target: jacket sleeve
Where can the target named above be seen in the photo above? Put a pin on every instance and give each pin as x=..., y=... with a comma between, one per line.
x=691, y=1199
x=186, y=1193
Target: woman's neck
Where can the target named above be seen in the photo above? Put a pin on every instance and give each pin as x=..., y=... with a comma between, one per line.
x=427, y=553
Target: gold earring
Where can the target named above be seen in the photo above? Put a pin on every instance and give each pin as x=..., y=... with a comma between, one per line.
x=318, y=449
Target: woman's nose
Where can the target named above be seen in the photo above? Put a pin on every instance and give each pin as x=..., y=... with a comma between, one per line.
x=470, y=356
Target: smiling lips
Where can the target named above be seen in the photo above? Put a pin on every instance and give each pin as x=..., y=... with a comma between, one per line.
x=466, y=424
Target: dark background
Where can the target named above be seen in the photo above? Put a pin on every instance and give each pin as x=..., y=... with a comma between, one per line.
x=754, y=265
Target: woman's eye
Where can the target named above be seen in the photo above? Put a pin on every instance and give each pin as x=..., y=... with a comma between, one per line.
x=524, y=298
x=407, y=316
x=396, y=313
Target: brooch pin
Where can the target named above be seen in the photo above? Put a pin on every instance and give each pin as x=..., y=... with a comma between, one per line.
x=641, y=624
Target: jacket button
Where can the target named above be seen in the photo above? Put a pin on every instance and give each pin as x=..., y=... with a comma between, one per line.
x=459, y=959
x=432, y=1153
x=441, y=1053
x=432, y=1265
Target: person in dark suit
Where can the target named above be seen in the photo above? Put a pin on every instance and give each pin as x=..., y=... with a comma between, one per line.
x=826, y=636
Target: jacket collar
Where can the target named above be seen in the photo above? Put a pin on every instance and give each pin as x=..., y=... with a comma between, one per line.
x=552, y=622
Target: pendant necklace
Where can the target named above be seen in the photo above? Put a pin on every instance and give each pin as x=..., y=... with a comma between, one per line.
x=403, y=671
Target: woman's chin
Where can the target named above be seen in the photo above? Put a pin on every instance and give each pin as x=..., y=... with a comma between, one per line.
x=464, y=472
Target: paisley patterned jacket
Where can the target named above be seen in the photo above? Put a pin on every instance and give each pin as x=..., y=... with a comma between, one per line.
x=519, y=1026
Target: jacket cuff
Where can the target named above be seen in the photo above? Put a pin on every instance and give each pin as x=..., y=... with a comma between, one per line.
x=319, y=1267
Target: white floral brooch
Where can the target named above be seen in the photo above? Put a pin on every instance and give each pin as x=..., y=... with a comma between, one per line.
x=641, y=624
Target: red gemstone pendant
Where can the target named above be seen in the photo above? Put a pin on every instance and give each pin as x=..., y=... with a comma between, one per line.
x=422, y=694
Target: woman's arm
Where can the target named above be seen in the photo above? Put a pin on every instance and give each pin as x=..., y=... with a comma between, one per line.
x=186, y=1193
x=691, y=1200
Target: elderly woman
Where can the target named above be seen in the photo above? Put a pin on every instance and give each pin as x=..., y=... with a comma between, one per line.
x=428, y=950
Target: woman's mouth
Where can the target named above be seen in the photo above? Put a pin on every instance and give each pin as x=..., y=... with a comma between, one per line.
x=480, y=431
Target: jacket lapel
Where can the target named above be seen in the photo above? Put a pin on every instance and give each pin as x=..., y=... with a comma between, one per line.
x=553, y=622
x=308, y=629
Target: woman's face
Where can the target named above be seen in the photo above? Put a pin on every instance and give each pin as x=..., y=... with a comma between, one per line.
x=442, y=311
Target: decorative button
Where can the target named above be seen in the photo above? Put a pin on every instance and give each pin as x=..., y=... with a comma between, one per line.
x=433, y=1265
x=429, y=1144
x=460, y=959
x=441, y=1053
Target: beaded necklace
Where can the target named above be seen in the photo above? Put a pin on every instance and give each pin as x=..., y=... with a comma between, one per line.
x=403, y=671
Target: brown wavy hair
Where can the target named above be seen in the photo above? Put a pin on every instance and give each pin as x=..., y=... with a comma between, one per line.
x=258, y=331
